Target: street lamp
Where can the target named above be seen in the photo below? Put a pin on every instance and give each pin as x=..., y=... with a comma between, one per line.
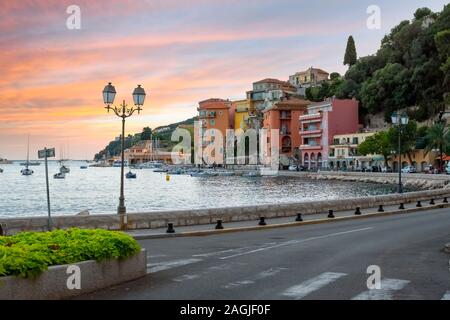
x=400, y=120
x=123, y=112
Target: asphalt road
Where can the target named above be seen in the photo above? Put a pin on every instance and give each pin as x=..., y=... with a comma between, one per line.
x=324, y=261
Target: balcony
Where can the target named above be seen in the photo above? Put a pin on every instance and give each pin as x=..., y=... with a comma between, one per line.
x=311, y=117
x=286, y=149
x=310, y=147
x=285, y=131
x=285, y=116
x=308, y=132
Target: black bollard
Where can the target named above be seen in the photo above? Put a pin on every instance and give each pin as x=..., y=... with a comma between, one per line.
x=219, y=225
x=330, y=214
x=418, y=205
x=358, y=211
x=402, y=207
x=432, y=201
x=299, y=217
x=380, y=208
x=445, y=200
x=170, y=228
x=262, y=221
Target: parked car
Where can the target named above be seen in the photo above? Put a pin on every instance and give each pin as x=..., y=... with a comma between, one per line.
x=386, y=169
x=294, y=167
x=447, y=168
x=428, y=169
x=409, y=169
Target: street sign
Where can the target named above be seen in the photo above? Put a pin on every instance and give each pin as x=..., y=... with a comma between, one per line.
x=50, y=153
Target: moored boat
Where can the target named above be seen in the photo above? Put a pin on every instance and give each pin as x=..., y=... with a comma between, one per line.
x=59, y=175
x=130, y=175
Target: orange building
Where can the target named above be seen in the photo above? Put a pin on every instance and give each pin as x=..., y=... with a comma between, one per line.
x=215, y=115
x=284, y=116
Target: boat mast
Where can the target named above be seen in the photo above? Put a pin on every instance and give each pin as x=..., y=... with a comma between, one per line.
x=28, y=152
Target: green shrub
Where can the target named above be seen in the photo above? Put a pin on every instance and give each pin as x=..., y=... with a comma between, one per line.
x=29, y=253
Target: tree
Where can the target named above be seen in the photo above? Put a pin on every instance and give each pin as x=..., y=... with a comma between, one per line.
x=388, y=90
x=146, y=133
x=350, y=52
x=379, y=143
x=422, y=13
x=408, y=138
x=438, y=137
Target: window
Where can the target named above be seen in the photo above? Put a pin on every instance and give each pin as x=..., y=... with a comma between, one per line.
x=220, y=113
x=202, y=113
x=212, y=122
x=336, y=141
x=355, y=140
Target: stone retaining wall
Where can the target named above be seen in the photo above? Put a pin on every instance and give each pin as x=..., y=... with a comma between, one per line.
x=159, y=219
x=52, y=284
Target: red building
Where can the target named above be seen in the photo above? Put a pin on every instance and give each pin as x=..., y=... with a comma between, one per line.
x=317, y=128
x=284, y=116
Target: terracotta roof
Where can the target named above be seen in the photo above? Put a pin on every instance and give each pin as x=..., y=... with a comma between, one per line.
x=271, y=80
x=317, y=69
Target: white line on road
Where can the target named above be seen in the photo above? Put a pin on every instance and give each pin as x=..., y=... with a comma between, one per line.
x=388, y=286
x=160, y=266
x=186, y=277
x=446, y=296
x=215, y=253
x=262, y=275
x=302, y=290
x=290, y=242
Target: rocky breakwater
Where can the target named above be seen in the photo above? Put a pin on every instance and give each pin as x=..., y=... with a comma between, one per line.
x=417, y=182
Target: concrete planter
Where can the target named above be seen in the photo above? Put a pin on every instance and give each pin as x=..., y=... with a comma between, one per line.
x=52, y=284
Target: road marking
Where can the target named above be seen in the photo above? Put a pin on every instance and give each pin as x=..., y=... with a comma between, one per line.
x=302, y=290
x=215, y=253
x=290, y=242
x=446, y=296
x=388, y=286
x=262, y=275
x=160, y=266
x=186, y=277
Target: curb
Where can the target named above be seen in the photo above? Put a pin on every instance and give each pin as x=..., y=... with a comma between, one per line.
x=285, y=225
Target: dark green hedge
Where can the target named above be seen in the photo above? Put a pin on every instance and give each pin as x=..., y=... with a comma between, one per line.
x=29, y=253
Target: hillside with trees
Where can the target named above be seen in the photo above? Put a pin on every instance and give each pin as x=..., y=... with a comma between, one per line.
x=410, y=70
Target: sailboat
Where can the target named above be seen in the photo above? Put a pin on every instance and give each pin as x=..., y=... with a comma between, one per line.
x=63, y=168
x=27, y=171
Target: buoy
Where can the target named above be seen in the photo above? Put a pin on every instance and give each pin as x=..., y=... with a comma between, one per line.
x=167, y=177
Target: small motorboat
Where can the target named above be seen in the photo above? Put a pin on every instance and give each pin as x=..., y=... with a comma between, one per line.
x=199, y=174
x=59, y=175
x=83, y=167
x=26, y=172
x=64, y=169
x=225, y=173
x=160, y=170
x=130, y=175
x=251, y=174
x=1, y=170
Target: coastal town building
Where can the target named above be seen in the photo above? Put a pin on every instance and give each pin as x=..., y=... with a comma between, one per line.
x=311, y=77
x=322, y=122
x=215, y=115
x=420, y=159
x=240, y=113
x=344, y=153
x=283, y=116
x=265, y=93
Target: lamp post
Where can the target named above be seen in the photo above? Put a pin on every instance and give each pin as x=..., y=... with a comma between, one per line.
x=123, y=112
x=400, y=120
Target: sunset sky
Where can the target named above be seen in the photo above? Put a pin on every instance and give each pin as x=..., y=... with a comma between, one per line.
x=180, y=51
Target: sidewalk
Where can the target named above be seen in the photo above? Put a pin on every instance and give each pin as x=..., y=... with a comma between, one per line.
x=207, y=229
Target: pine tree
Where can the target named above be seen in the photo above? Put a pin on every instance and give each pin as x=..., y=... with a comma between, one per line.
x=350, y=52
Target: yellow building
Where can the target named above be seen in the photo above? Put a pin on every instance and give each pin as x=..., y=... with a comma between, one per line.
x=344, y=155
x=417, y=158
x=241, y=114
